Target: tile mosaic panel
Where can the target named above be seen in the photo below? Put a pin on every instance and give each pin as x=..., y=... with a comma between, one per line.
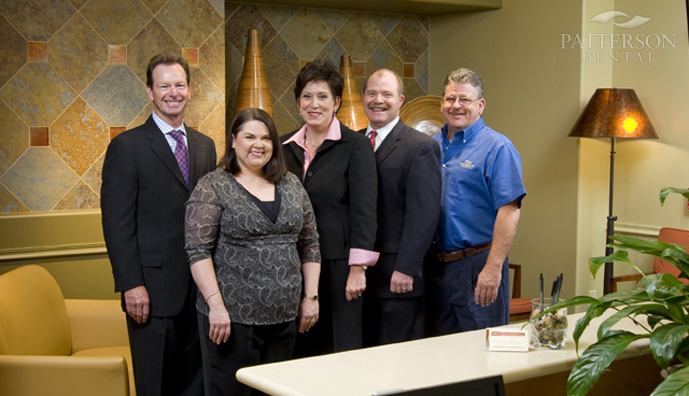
x=306, y=33
x=278, y=15
x=190, y=22
x=141, y=118
x=333, y=52
x=219, y=6
x=154, y=5
x=93, y=176
x=14, y=51
x=191, y=55
x=73, y=43
x=37, y=94
x=100, y=48
x=205, y=97
x=9, y=203
x=117, y=54
x=249, y=16
x=152, y=40
x=280, y=64
x=39, y=179
x=359, y=36
x=234, y=62
x=39, y=136
x=384, y=57
x=421, y=70
x=37, y=51
x=214, y=127
x=333, y=18
x=80, y=197
x=409, y=38
x=79, y=136
x=117, y=95
x=385, y=22
x=14, y=134
x=78, y=3
x=37, y=20
x=116, y=21
x=212, y=58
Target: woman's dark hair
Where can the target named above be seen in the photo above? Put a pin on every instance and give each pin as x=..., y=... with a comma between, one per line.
x=319, y=70
x=276, y=167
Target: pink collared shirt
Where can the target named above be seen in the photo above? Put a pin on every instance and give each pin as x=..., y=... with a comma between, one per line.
x=356, y=256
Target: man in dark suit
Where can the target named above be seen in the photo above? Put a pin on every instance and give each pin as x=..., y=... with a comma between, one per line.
x=408, y=164
x=148, y=174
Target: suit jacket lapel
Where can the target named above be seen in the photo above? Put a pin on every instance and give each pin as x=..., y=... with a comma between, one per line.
x=161, y=148
x=390, y=143
x=194, y=154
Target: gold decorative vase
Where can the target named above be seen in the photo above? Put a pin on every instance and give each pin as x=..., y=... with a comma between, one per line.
x=352, y=109
x=253, y=86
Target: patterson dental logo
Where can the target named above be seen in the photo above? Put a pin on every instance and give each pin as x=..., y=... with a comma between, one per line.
x=618, y=47
x=607, y=16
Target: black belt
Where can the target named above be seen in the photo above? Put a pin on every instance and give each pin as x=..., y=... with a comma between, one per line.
x=447, y=257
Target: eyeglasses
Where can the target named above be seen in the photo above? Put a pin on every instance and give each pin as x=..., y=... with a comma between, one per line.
x=450, y=100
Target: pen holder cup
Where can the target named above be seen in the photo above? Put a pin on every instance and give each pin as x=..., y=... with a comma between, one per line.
x=550, y=330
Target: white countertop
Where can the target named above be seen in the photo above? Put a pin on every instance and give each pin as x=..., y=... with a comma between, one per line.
x=416, y=364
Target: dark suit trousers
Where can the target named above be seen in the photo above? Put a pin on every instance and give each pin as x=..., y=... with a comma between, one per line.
x=390, y=320
x=248, y=345
x=339, y=326
x=166, y=353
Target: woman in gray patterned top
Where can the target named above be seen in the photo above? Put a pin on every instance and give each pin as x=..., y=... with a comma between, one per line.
x=251, y=239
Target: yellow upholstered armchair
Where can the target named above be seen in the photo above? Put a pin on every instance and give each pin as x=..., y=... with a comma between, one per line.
x=52, y=346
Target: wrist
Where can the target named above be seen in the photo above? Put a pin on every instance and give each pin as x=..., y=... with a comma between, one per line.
x=310, y=296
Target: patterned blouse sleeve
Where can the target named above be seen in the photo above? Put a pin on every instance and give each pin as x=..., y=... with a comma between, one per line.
x=309, y=248
x=202, y=221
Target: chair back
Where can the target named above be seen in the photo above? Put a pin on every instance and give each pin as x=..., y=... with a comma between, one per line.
x=671, y=235
x=33, y=316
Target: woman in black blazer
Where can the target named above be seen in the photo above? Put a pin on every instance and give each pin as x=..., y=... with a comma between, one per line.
x=338, y=169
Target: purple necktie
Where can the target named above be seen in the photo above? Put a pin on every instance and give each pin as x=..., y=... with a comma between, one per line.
x=181, y=154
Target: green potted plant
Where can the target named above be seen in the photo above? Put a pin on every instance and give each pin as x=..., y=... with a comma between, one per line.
x=662, y=300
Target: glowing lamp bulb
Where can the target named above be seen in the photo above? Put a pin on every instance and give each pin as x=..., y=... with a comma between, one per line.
x=629, y=124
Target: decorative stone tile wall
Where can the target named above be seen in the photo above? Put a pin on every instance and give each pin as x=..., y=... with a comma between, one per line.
x=72, y=76
x=290, y=36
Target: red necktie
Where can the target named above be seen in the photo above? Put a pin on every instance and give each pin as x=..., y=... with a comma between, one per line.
x=373, y=139
x=181, y=154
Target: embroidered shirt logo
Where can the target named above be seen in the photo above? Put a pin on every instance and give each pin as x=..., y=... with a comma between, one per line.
x=467, y=164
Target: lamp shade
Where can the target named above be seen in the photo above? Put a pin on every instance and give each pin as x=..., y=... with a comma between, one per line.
x=614, y=113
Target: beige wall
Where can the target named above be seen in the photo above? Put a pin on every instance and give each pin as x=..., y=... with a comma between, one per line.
x=535, y=90
x=531, y=89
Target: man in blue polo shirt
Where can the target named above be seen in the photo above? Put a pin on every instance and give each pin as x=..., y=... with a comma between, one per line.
x=481, y=197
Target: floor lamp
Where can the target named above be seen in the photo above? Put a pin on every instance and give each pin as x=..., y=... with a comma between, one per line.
x=613, y=113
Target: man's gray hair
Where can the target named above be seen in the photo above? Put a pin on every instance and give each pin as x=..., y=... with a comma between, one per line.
x=465, y=76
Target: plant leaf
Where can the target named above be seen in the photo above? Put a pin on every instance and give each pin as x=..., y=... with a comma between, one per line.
x=665, y=191
x=596, y=358
x=629, y=311
x=676, y=384
x=596, y=262
x=665, y=340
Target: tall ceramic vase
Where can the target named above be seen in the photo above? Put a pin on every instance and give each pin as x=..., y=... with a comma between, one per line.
x=253, y=85
x=351, y=110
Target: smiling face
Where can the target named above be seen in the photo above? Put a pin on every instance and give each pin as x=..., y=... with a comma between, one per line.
x=252, y=146
x=461, y=106
x=169, y=92
x=382, y=99
x=317, y=106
